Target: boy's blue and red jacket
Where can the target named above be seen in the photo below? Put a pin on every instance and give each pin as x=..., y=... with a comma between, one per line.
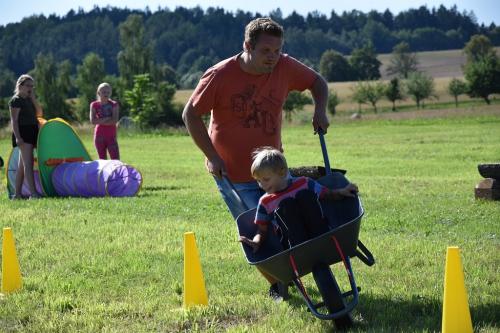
x=268, y=203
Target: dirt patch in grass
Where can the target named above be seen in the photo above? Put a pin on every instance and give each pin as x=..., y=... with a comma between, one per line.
x=215, y=323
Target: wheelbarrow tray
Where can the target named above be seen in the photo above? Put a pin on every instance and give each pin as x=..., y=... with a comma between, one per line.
x=344, y=217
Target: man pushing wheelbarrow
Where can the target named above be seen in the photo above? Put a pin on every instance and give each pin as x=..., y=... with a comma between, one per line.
x=244, y=95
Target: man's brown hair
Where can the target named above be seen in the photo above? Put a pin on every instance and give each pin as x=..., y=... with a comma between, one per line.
x=259, y=26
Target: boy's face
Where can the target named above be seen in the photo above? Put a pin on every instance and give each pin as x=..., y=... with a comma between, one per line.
x=271, y=181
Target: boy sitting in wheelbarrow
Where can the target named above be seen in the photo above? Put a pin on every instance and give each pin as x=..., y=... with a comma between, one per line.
x=290, y=204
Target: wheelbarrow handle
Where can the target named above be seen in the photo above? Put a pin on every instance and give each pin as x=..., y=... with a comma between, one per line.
x=328, y=170
x=234, y=192
x=364, y=254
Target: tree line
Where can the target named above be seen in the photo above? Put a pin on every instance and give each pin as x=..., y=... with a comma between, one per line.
x=144, y=88
x=147, y=56
x=191, y=39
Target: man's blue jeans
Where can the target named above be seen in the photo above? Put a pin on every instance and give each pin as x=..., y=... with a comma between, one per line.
x=247, y=197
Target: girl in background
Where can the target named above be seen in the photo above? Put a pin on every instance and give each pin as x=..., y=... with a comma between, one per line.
x=24, y=111
x=104, y=114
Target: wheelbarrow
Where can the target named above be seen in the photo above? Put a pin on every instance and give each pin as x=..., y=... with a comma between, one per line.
x=316, y=255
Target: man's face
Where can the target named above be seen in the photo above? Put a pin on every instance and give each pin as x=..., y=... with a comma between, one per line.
x=266, y=53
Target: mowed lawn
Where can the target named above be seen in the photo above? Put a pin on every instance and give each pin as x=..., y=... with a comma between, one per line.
x=116, y=265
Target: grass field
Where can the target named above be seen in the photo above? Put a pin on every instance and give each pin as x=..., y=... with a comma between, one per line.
x=116, y=265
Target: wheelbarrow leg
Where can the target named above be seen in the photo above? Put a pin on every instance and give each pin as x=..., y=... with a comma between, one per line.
x=332, y=296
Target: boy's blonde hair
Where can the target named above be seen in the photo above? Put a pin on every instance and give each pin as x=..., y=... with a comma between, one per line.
x=268, y=158
x=102, y=85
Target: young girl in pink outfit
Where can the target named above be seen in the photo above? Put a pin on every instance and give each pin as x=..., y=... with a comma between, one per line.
x=104, y=115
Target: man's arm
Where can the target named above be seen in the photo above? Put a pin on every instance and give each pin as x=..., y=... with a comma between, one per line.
x=198, y=132
x=319, y=91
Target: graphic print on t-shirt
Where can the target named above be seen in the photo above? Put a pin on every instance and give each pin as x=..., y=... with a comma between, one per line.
x=256, y=113
x=105, y=111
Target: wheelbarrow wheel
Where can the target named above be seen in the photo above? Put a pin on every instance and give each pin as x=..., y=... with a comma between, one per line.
x=332, y=296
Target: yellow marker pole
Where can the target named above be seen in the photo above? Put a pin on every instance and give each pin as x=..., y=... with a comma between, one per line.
x=456, y=315
x=194, y=284
x=11, y=273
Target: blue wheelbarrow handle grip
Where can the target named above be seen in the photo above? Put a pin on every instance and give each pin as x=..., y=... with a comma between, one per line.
x=328, y=170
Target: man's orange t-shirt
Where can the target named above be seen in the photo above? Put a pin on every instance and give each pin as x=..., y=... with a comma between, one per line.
x=246, y=109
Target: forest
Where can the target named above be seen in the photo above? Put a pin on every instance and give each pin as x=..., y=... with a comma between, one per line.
x=154, y=53
x=191, y=39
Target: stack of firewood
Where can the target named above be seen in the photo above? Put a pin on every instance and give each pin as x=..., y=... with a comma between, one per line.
x=489, y=187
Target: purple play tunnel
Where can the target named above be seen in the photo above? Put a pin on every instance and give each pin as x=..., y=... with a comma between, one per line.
x=96, y=179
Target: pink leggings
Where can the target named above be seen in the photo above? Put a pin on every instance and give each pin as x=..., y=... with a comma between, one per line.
x=109, y=143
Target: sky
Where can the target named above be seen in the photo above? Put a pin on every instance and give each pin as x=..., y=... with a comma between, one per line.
x=486, y=11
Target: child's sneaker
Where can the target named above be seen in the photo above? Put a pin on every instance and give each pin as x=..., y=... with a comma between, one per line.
x=278, y=292
x=274, y=293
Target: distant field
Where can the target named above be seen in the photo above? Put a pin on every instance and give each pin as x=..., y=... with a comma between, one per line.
x=438, y=64
x=441, y=65
x=344, y=91
x=347, y=107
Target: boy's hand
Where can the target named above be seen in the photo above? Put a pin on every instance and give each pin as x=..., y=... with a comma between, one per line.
x=349, y=191
x=250, y=242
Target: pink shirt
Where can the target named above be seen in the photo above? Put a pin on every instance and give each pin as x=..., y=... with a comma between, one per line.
x=103, y=111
